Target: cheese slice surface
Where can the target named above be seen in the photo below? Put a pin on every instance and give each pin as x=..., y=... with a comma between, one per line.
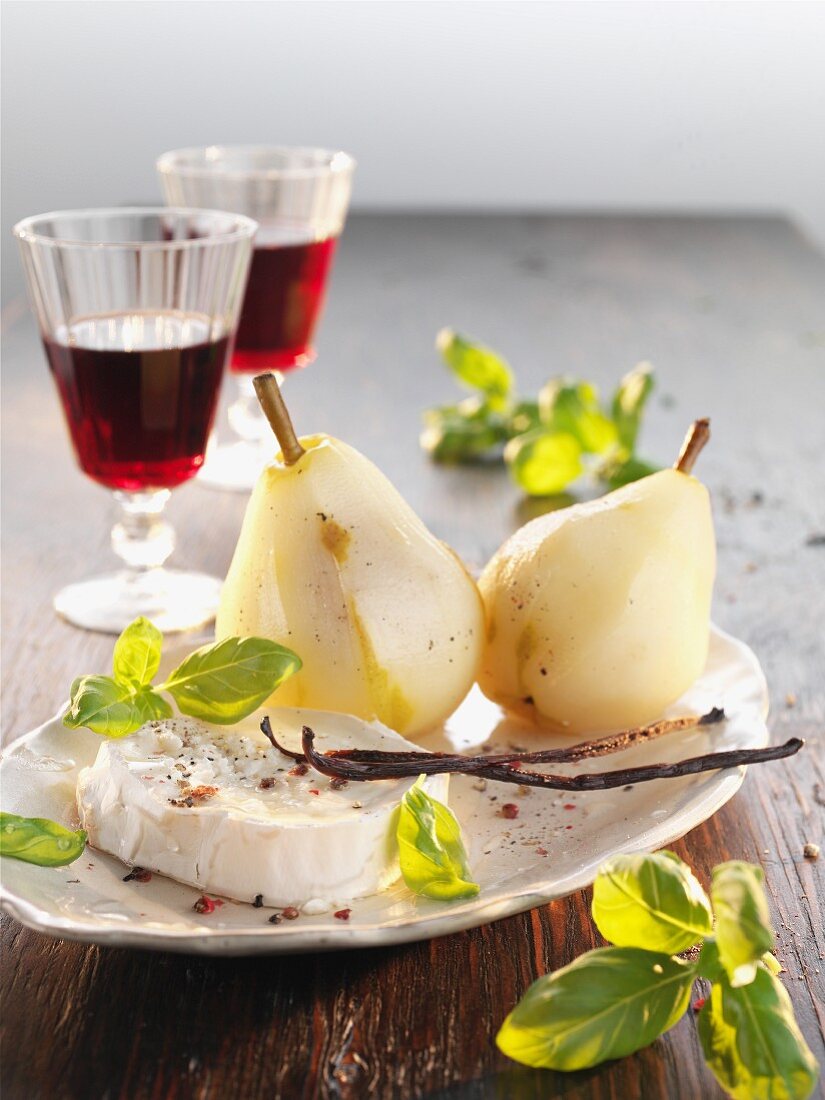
x=220, y=809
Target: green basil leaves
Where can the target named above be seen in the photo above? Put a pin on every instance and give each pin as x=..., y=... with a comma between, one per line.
x=110, y=708
x=221, y=683
x=573, y=407
x=629, y=402
x=224, y=682
x=136, y=658
x=743, y=923
x=39, y=840
x=616, y=1000
x=751, y=1041
x=546, y=443
x=651, y=901
x=430, y=848
x=544, y=463
x=475, y=366
x=608, y=1003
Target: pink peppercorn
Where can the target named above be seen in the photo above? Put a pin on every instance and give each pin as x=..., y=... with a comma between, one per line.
x=509, y=810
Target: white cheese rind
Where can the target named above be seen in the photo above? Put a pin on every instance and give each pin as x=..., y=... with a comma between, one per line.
x=280, y=841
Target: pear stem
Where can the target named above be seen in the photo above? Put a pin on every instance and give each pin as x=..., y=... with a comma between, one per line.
x=697, y=436
x=269, y=394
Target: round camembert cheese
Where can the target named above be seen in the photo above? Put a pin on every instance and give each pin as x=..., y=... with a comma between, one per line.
x=220, y=809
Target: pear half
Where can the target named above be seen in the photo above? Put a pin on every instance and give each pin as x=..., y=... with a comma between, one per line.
x=598, y=615
x=332, y=562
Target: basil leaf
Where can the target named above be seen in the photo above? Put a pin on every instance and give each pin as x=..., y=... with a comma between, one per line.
x=743, y=927
x=751, y=1042
x=39, y=840
x=619, y=471
x=226, y=681
x=478, y=367
x=629, y=402
x=112, y=709
x=137, y=654
x=462, y=433
x=430, y=848
x=472, y=409
x=543, y=462
x=708, y=965
x=573, y=407
x=608, y=1003
x=651, y=901
x=523, y=417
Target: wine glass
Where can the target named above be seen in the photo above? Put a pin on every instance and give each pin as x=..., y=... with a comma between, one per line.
x=137, y=308
x=300, y=198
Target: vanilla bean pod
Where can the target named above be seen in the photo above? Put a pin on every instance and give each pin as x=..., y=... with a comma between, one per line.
x=602, y=781
x=344, y=768
x=399, y=764
x=602, y=746
x=266, y=730
x=395, y=765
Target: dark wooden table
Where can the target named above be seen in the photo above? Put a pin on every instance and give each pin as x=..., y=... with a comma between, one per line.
x=732, y=313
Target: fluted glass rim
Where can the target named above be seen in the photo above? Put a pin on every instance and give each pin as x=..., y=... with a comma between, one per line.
x=334, y=162
x=243, y=228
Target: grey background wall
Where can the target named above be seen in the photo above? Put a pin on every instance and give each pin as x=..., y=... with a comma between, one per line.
x=446, y=105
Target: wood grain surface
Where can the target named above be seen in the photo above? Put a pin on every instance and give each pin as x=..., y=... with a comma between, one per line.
x=732, y=313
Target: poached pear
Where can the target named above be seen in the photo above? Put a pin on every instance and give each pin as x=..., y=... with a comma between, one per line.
x=334, y=563
x=598, y=615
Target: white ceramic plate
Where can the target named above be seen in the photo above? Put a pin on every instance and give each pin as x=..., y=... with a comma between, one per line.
x=89, y=901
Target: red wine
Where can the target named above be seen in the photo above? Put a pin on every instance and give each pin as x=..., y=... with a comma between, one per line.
x=283, y=301
x=139, y=392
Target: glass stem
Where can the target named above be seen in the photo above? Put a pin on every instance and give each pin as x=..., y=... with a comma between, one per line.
x=245, y=414
x=141, y=537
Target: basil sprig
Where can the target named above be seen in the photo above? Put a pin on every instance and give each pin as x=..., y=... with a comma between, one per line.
x=608, y=1003
x=221, y=683
x=616, y=1000
x=546, y=443
x=476, y=366
x=751, y=1041
x=136, y=656
x=430, y=849
x=743, y=929
x=39, y=840
x=652, y=901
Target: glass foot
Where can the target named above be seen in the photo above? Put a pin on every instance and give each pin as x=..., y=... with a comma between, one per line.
x=172, y=599
x=236, y=466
